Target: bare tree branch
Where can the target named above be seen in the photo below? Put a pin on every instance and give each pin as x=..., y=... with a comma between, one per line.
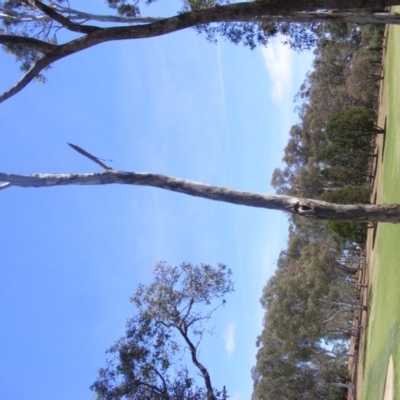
x=76, y=14
x=303, y=207
x=251, y=12
x=34, y=44
x=30, y=75
x=65, y=22
x=89, y=156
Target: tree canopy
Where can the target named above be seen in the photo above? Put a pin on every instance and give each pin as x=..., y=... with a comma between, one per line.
x=310, y=300
x=307, y=324
x=170, y=320
x=31, y=28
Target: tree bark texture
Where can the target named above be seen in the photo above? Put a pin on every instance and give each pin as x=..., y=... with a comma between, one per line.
x=303, y=207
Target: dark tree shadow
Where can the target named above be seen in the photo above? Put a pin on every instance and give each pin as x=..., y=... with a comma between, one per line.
x=384, y=140
x=375, y=228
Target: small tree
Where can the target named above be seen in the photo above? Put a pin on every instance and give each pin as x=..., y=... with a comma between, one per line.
x=350, y=143
x=353, y=232
x=170, y=321
x=353, y=127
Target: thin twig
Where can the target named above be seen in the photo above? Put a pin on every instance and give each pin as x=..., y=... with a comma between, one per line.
x=89, y=156
x=72, y=26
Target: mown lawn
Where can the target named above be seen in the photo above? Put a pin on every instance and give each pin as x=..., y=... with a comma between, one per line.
x=383, y=331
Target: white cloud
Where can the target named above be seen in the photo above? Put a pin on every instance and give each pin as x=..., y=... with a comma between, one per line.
x=278, y=60
x=229, y=338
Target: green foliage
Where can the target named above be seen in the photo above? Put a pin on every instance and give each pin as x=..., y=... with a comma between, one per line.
x=349, y=135
x=349, y=195
x=124, y=8
x=301, y=312
x=326, y=157
x=336, y=155
x=372, y=35
x=170, y=318
x=201, y=4
x=352, y=231
x=25, y=56
x=352, y=127
x=331, y=147
x=342, y=175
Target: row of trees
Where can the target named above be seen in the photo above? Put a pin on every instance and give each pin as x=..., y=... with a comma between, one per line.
x=308, y=319
x=309, y=301
x=333, y=146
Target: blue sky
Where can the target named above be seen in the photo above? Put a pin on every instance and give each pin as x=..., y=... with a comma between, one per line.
x=72, y=256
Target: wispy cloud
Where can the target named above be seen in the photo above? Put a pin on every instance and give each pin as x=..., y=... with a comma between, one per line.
x=278, y=60
x=229, y=338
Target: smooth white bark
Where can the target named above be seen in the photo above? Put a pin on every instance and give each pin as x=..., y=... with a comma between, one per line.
x=304, y=207
x=74, y=15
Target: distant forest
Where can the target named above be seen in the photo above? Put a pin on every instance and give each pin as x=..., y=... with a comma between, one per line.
x=309, y=301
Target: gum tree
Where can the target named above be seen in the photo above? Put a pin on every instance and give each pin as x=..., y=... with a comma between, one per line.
x=31, y=27
x=170, y=320
x=303, y=207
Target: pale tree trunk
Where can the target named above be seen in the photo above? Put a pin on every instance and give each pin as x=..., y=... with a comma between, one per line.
x=347, y=306
x=256, y=11
x=303, y=207
x=73, y=15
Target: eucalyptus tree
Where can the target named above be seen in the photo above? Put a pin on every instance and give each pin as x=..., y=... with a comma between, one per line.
x=32, y=28
x=302, y=298
x=309, y=208
x=278, y=374
x=353, y=127
x=170, y=320
x=349, y=136
x=281, y=375
x=351, y=231
x=307, y=304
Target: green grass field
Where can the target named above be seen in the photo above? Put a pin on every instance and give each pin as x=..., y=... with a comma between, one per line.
x=383, y=331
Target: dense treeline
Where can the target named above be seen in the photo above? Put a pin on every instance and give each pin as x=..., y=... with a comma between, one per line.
x=332, y=147
x=309, y=302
